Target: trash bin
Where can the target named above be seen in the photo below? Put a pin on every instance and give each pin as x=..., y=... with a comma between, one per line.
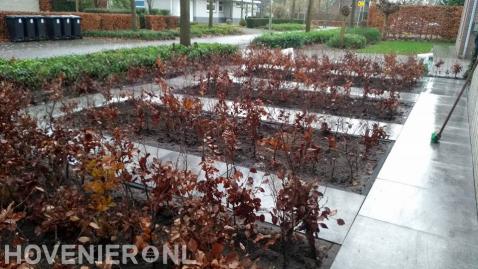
x=65, y=27
x=29, y=26
x=40, y=28
x=76, y=26
x=53, y=26
x=15, y=28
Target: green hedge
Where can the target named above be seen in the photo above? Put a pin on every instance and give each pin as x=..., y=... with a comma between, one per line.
x=286, y=27
x=197, y=30
x=129, y=34
x=371, y=34
x=351, y=41
x=355, y=38
x=33, y=72
x=253, y=22
x=294, y=39
x=107, y=10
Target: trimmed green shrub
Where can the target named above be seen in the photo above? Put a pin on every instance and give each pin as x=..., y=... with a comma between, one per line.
x=199, y=30
x=320, y=37
x=129, y=34
x=285, y=40
x=294, y=39
x=253, y=22
x=34, y=72
x=287, y=27
x=371, y=34
x=329, y=37
x=108, y=10
x=351, y=41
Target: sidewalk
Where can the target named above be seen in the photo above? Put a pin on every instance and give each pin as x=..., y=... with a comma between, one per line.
x=46, y=49
x=421, y=211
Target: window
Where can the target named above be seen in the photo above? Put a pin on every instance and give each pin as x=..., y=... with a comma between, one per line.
x=139, y=3
x=213, y=6
x=220, y=5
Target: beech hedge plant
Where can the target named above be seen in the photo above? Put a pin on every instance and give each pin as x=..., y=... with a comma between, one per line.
x=32, y=73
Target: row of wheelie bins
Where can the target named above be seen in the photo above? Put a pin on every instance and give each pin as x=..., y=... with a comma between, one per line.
x=31, y=27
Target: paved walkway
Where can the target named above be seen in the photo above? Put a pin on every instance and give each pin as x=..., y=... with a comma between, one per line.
x=46, y=49
x=421, y=211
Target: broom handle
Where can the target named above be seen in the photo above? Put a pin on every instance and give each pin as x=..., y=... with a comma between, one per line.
x=467, y=82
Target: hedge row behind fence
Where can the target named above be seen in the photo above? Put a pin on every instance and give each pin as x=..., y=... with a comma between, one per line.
x=419, y=22
x=96, y=21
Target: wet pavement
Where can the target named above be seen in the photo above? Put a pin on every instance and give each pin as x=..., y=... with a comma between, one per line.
x=46, y=49
x=421, y=211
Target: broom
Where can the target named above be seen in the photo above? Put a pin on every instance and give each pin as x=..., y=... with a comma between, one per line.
x=436, y=136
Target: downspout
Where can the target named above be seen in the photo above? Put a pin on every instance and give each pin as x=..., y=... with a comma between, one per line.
x=469, y=28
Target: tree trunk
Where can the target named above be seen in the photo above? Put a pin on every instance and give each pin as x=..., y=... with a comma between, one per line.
x=311, y=241
x=342, y=33
x=385, y=27
x=352, y=13
x=292, y=10
x=242, y=9
x=134, y=24
x=308, y=18
x=77, y=5
x=184, y=24
x=252, y=9
x=150, y=5
x=211, y=3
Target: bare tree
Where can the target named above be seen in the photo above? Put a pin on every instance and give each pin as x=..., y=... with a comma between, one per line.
x=387, y=8
x=308, y=18
x=184, y=24
x=211, y=9
x=150, y=5
x=292, y=10
x=134, y=24
x=352, y=13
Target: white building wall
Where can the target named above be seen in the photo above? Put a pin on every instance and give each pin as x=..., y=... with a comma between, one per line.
x=199, y=12
x=20, y=5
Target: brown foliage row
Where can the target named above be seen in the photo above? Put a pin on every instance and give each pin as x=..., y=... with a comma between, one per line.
x=420, y=22
x=94, y=21
x=158, y=23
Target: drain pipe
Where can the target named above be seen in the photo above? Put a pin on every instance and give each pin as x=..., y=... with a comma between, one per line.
x=469, y=28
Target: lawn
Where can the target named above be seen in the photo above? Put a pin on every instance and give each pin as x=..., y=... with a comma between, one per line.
x=400, y=47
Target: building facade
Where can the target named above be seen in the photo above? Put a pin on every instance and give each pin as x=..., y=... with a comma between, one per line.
x=465, y=40
x=223, y=10
x=20, y=5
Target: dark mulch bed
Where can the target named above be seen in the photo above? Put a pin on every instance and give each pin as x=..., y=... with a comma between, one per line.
x=332, y=166
x=319, y=102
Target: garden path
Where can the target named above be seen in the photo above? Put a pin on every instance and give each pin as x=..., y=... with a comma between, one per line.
x=421, y=211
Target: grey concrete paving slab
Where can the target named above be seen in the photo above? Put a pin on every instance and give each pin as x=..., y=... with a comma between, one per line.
x=373, y=244
x=421, y=211
x=425, y=210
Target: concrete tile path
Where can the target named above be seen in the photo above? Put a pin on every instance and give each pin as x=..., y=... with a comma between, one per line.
x=421, y=211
